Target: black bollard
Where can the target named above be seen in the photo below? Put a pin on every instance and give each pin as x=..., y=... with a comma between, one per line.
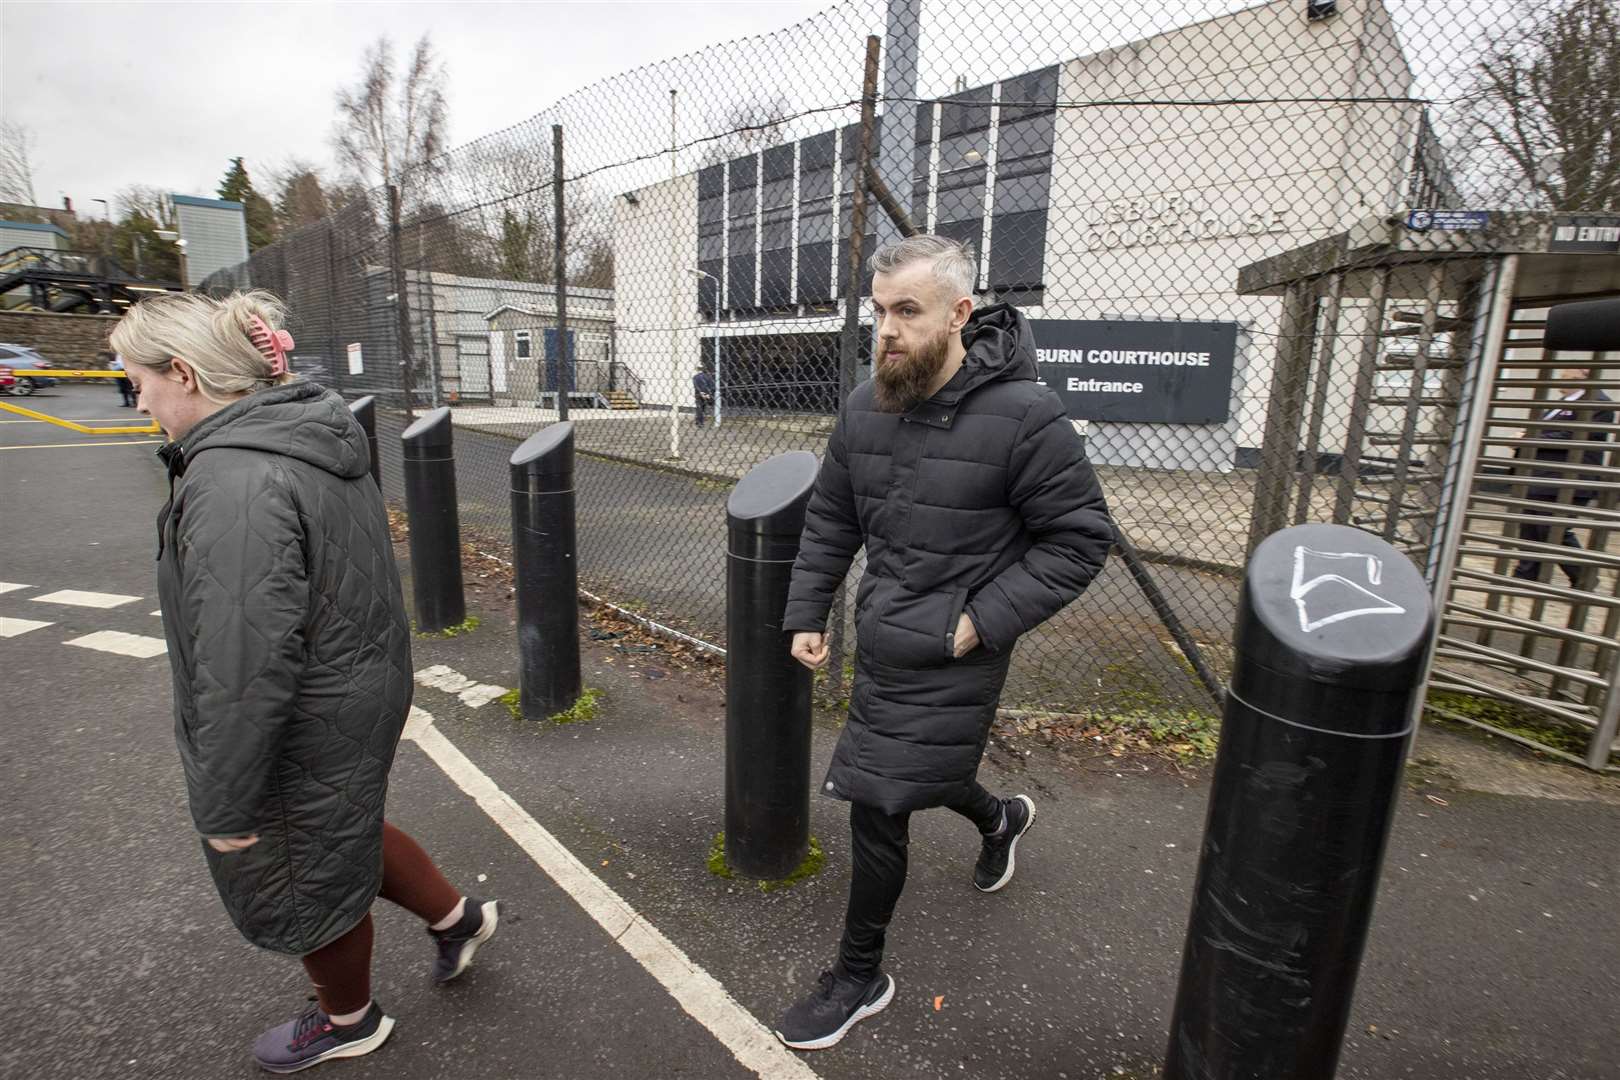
x=365, y=411
x=1333, y=630
x=547, y=572
x=430, y=506
x=767, y=691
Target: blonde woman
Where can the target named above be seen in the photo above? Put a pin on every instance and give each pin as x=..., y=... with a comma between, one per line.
x=291, y=660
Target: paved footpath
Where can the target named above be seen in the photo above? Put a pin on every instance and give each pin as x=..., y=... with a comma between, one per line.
x=1493, y=954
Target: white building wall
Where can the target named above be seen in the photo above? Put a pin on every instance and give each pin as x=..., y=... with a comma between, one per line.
x=1155, y=207
x=655, y=292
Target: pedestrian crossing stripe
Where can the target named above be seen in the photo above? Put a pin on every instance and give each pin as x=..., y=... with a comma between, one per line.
x=10, y=586
x=79, y=598
x=116, y=641
x=14, y=627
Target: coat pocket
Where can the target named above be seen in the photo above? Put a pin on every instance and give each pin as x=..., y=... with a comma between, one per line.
x=918, y=630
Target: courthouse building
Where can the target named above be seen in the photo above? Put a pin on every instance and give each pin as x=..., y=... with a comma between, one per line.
x=1098, y=198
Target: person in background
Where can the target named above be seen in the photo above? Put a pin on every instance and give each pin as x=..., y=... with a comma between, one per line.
x=1554, y=426
x=291, y=659
x=703, y=393
x=126, y=389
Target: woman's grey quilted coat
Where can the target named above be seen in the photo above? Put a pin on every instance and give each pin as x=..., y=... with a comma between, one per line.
x=291, y=657
x=979, y=500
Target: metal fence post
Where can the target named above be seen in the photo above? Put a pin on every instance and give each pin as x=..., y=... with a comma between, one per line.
x=1333, y=629
x=430, y=506
x=543, y=551
x=402, y=309
x=767, y=691
x=559, y=245
x=365, y=412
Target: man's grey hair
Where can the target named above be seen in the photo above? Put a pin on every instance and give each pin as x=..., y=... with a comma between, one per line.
x=952, y=263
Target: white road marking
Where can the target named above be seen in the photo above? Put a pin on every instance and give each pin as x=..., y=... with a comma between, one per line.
x=158, y=613
x=116, y=641
x=71, y=445
x=11, y=586
x=474, y=695
x=13, y=627
x=694, y=989
x=79, y=598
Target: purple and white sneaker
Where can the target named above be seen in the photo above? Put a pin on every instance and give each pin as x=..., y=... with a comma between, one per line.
x=313, y=1038
x=458, y=944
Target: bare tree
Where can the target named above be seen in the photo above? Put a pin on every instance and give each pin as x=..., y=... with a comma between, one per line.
x=16, y=163
x=391, y=127
x=748, y=127
x=300, y=196
x=1544, y=107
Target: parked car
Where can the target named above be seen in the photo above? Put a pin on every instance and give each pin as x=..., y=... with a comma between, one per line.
x=7, y=380
x=21, y=356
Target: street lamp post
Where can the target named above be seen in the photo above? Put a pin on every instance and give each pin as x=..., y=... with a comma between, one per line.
x=717, y=395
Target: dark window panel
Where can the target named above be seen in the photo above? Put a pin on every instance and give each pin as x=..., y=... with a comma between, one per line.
x=1017, y=250
x=815, y=272
x=777, y=231
x=778, y=194
x=919, y=202
x=778, y=164
x=816, y=152
x=712, y=182
x=744, y=172
x=1025, y=138
x=925, y=122
x=815, y=186
x=711, y=210
x=964, y=112
x=1039, y=88
x=740, y=282
x=1029, y=189
x=960, y=203
x=868, y=246
x=711, y=246
x=967, y=151
x=815, y=228
x=776, y=278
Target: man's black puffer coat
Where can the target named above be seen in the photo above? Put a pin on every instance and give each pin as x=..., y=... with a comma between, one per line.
x=978, y=500
x=291, y=658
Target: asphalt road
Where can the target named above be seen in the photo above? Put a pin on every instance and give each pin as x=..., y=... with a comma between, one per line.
x=1493, y=952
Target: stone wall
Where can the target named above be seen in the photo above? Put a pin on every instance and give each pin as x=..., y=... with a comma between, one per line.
x=73, y=341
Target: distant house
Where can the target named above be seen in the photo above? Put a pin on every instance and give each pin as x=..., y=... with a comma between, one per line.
x=16, y=234
x=214, y=232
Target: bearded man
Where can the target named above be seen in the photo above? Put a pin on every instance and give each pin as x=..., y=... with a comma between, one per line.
x=964, y=479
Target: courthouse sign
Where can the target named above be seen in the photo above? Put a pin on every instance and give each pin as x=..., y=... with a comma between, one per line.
x=1139, y=372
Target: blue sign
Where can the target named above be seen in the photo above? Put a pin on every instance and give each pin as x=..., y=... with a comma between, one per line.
x=1449, y=220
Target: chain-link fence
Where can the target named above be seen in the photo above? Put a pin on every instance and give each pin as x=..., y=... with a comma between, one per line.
x=1114, y=166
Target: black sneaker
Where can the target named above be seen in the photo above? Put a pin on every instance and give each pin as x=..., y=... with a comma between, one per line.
x=997, y=858
x=826, y=1016
x=313, y=1038
x=458, y=944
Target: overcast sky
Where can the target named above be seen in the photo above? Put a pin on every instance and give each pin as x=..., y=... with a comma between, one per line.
x=166, y=93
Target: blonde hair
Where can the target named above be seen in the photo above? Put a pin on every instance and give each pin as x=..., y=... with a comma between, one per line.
x=210, y=335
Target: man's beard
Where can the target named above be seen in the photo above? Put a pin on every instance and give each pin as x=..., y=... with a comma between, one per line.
x=902, y=385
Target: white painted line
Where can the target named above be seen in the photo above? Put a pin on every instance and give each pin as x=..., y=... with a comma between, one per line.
x=116, y=641
x=158, y=613
x=73, y=445
x=694, y=989
x=13, y=627
x=11, y=586
x=474, y=695
x=79, y=598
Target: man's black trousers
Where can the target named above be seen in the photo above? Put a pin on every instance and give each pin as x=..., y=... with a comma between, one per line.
x=878, y=874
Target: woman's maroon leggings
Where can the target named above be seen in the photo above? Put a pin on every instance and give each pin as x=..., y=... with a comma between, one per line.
x=341, y=969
